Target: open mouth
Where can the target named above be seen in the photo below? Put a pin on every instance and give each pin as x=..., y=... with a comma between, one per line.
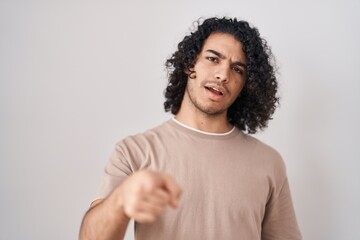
x=215, y=91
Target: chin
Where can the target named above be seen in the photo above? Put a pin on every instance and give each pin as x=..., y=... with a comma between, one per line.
x=213, y=111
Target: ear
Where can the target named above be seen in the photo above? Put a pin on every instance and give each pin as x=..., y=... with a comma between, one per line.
x=188, y=71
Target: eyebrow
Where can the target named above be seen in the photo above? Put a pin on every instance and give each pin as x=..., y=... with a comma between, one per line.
x=240, y=63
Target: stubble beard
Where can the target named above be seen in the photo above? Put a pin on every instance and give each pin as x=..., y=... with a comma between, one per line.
x=208, y=110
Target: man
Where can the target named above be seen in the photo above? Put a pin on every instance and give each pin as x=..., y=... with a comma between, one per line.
x=219, y=182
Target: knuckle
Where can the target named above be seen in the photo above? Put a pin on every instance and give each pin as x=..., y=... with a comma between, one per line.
x=129, y=211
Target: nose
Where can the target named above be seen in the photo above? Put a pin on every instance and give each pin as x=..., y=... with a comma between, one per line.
x=222, y=74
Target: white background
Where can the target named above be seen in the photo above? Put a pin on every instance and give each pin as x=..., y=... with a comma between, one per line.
x=77, y=76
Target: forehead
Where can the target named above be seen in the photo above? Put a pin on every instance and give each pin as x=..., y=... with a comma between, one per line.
x=226, y=44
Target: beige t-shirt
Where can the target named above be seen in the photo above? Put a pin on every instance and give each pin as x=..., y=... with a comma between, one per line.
x=234, y=186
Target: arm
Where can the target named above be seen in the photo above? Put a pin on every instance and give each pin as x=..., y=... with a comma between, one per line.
x=102, y=221
x=143, y=196
x=280, y=222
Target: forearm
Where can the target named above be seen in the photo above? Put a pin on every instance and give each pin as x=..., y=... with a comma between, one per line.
x=104, y=222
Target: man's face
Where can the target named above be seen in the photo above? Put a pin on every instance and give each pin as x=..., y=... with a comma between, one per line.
x=220, y=74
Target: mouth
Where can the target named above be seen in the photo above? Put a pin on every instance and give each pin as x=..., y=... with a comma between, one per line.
x=215, y=90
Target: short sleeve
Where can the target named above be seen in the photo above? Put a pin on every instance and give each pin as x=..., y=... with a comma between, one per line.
x=279, y=222
x=117, y=169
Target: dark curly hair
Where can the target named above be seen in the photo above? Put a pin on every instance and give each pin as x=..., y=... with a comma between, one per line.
x=257, y=101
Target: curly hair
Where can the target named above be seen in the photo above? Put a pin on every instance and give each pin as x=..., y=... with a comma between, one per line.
x=257, y=101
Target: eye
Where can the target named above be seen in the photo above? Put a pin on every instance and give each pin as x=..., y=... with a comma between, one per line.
x=238, y=70
x=212, y=59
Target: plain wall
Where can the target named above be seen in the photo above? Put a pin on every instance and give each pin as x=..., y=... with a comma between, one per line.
x=77, y=76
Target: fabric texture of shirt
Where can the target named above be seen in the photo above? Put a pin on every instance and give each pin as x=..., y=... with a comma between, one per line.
x=234, y=186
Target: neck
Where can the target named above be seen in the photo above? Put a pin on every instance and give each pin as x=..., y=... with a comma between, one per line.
x=204, y=122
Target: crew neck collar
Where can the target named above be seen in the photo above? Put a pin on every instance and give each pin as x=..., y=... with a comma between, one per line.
x=228, y=133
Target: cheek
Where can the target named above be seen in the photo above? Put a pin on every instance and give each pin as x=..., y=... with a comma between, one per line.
x=241, y=84
x=202, y=70
x=194, y=84
x=237, y=88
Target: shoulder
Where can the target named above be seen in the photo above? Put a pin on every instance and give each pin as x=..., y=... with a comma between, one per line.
x=148, y=134
x=264, y=153
x=142, y=141
x=136, y=150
